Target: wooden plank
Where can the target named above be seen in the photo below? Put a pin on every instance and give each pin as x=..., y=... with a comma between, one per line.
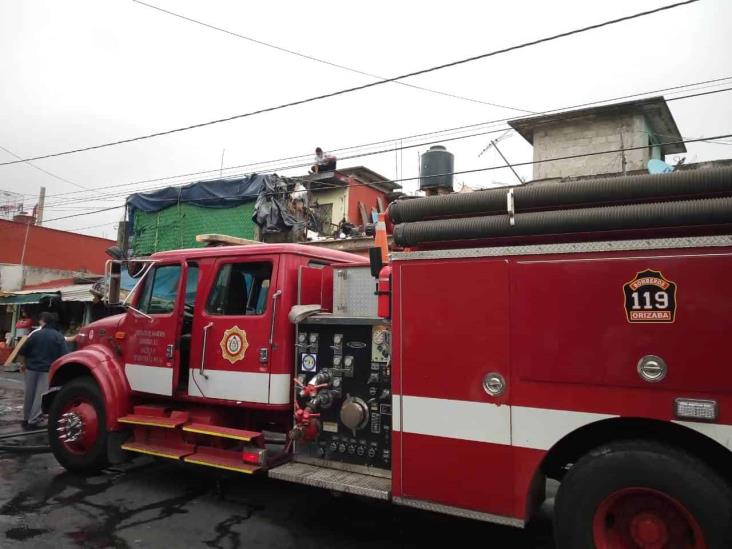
x=364, y=215
x=224, y=239
x=16, y=350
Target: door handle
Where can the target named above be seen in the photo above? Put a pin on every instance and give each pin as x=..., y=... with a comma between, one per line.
x=275, y=298
x=206, y=328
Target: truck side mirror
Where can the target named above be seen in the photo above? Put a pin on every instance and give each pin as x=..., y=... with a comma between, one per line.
x=375, y=261
x=113, y=282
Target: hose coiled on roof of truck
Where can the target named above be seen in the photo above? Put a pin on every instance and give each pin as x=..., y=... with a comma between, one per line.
x=606, y=218
x=554, y=195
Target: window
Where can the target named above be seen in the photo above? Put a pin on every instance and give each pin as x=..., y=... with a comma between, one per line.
x=191, y=285
x=323, y=217
x=240, y=289
x=161, y=287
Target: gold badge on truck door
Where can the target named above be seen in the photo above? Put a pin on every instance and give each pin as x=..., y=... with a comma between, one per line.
x=234, y=344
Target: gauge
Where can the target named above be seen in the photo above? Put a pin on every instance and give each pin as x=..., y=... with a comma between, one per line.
x=337, y=339
x=336, y=361
x=379, y=336
x=301, y=337
x=308, y=363
x=313, y=338
x=336, y=382
x=348, y=361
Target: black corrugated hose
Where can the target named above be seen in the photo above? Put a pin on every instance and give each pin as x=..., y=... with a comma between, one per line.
x=555, y=195
x=636, y=216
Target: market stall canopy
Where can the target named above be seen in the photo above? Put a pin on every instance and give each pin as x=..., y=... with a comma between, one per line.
x=70, y=292
x=18, y=298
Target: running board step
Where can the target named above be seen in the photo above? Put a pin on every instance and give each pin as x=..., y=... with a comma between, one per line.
x=221, y=459
x=222, y=432
x=176, y=420
x=333, y=479
x=158, y=450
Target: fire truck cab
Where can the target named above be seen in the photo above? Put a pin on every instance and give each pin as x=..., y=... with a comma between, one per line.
x=453, y=379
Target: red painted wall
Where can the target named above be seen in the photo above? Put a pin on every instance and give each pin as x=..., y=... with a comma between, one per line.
x=52, y=249
x=357, y=192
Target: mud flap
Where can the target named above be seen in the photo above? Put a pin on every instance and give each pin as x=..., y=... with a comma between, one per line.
x=47, y=398
x=115, y=453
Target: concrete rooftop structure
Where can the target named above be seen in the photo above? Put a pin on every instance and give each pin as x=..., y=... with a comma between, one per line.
x=645, y=126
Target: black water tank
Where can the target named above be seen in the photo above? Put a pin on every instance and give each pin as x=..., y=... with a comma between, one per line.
x=436, y=167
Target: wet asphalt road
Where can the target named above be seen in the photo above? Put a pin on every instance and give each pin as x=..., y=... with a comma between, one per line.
x=150, y=503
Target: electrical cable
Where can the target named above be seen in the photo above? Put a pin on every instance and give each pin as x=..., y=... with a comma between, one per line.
x=389, y=150
x=489, y=168
x=11, y=153
x=363, y=86
x=324, y=61
x=714, y=82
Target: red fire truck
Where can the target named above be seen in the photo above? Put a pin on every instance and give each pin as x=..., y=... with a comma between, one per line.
x=574, y=331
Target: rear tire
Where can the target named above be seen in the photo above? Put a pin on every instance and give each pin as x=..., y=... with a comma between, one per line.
x=642, y=494
x=77, y=427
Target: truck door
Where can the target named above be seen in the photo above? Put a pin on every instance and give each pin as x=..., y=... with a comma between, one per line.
x=151, y=330
x=230, y=346
x=455, y=437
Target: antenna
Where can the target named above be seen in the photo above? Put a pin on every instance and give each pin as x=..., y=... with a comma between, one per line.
x=504, y=135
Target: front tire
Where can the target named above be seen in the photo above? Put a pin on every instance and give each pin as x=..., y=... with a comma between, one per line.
x=77, y=427
x=638, y=494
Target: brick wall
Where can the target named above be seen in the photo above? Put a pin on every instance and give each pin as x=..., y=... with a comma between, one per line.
x=591, y=134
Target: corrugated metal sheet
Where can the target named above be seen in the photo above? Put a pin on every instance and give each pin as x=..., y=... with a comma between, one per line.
x=77, y=292
x=71, y=292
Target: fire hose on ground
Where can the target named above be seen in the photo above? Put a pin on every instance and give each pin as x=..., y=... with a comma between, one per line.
x=24, y=448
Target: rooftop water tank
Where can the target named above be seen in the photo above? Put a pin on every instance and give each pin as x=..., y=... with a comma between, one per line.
x=435, y=168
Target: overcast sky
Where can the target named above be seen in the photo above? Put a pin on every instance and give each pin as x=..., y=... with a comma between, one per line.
x=81, y=72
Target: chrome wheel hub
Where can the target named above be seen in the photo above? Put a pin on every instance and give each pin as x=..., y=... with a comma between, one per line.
x=70, y=427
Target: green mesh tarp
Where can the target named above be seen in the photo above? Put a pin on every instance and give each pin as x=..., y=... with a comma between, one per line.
x=176, y=227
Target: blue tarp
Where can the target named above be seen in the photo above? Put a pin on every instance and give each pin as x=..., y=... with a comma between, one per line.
x=220, y=193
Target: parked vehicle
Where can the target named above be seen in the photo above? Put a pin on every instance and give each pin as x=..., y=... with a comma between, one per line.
x=456, y=378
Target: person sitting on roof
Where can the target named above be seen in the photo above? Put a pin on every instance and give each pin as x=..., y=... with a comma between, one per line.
x=324, y=162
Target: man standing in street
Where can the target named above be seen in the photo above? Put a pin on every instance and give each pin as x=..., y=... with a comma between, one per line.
x=41, y=348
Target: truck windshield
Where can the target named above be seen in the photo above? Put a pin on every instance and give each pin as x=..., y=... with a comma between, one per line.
x=161, y=287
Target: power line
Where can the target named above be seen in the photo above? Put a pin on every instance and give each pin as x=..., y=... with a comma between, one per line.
x=94, y=226
x=302, y=165
x=324, y=61
x=364, y=86
x=87, y=213
x=370, y=153
x=20, y=158
x=475, y=170
x=713, y=82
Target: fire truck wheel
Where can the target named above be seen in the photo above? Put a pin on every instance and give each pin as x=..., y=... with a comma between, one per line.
x=76, y=427
x=637, y=494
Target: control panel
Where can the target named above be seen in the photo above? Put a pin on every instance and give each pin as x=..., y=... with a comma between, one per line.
x=343, y=391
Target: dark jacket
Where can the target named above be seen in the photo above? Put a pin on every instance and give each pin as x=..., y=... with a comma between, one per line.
x=42, y=347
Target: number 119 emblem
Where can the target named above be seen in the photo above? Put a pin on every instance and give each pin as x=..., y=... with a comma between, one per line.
x=650, y=297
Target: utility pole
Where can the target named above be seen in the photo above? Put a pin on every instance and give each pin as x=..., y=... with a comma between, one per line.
x=39, y=207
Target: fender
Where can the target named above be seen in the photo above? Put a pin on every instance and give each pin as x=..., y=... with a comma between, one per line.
x=107, y=371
